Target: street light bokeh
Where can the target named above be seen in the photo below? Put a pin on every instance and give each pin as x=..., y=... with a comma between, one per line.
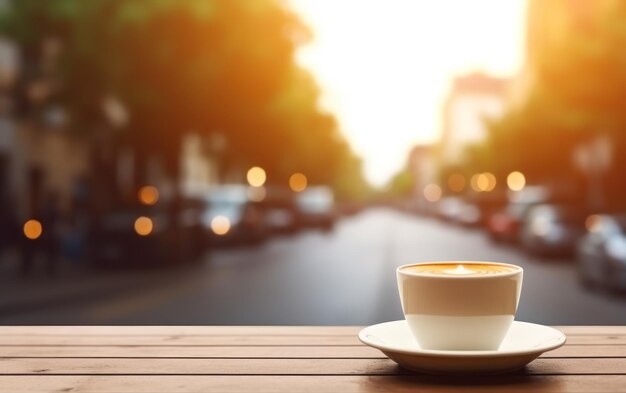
x=256, y=176
x=148, y=195
x=483, y=182
x=144, y=226
x=432, y=192
x=220, y=225
x=298, y=182
x=33, y=229
x=516, y=181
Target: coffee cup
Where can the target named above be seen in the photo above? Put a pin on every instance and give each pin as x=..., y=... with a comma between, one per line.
x=459, y=305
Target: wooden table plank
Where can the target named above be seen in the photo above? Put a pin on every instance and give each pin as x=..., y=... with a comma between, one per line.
x=301, y=384
x=181, y=330
x=242, y=330
x=357, y=351
x=264, y=359
x=244, y=366
x=234, y=340
x=596, y=340
x=181, y=340
x=596, y=330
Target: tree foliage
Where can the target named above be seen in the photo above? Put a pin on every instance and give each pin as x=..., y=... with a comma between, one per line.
x=577, y=74
x=208, y=66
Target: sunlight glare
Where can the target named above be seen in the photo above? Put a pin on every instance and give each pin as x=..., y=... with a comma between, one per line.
x=385, y=66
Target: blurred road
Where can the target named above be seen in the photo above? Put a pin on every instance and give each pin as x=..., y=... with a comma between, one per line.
x=346, y=276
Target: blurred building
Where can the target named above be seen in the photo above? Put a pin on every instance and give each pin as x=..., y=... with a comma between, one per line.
x=198, y=167
x=473, y=99
x=423, y=168
x=40, y=158
x=46, y=159
x=120, y=167
x=44, y=163
x=548, y=25
x=551, y=26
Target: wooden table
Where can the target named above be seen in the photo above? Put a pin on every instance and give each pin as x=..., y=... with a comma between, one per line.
x=269, y=359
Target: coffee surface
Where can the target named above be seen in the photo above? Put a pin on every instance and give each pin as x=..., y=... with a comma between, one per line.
x=459, y=269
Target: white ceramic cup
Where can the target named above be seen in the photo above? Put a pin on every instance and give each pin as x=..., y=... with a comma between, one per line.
x=465, y=311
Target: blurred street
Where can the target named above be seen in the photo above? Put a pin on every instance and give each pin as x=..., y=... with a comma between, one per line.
x=344, y=276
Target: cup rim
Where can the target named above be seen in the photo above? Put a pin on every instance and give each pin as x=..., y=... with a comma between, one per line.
x=402, y=270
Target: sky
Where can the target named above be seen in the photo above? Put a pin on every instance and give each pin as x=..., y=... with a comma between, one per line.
x=385, y=66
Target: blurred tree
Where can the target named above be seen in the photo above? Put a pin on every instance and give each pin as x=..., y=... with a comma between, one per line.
x=576, y=70
x=401, y=184
x=207, y=66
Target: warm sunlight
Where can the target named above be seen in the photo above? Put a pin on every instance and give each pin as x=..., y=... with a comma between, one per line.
x=385, y=65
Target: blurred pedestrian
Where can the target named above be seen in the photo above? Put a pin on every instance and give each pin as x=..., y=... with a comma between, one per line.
x=50, y=239
x=27, y=245
x=41, y=237
x=9, y=228
x=73, y=237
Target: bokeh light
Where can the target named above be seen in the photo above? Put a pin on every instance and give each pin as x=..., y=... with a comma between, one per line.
x=298, y=182
x=432, y=192
x=220, y=225
x=592, y=223
x=33, y=229
x=491, y=181
x=516, y=181
x=144, y=226
x=148, y=195
x=256, y=176
x=482, y=182
x=474, y=182
x=456, y=182
x=257, y=194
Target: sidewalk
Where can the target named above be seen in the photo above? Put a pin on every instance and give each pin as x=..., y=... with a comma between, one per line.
x=71, y=284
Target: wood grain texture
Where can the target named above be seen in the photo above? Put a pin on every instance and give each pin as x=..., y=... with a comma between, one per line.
x=274, y=359
x=288, y=352
x=279, y=352
x=181, y=330
x=232, y=340
x=242, y=330
x=180, y=340
x=243, y=366
x=302, y=384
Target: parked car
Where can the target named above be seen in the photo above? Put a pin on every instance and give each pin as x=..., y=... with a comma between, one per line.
x=504, y=225
x=553, y=229
x=279, y=210
x=316, y=207
x=188, y=227
x=487, y=203
x=143, y=236
x=231, y=217
x=469, y=214
x=602, y=252
x=449, y=208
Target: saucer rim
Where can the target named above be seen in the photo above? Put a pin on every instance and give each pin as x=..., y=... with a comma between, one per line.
x=562, y=339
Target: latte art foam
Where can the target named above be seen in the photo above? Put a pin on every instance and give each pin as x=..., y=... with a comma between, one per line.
x=460, y=270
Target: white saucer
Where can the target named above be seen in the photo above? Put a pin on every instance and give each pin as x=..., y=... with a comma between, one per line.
x=523, y=343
